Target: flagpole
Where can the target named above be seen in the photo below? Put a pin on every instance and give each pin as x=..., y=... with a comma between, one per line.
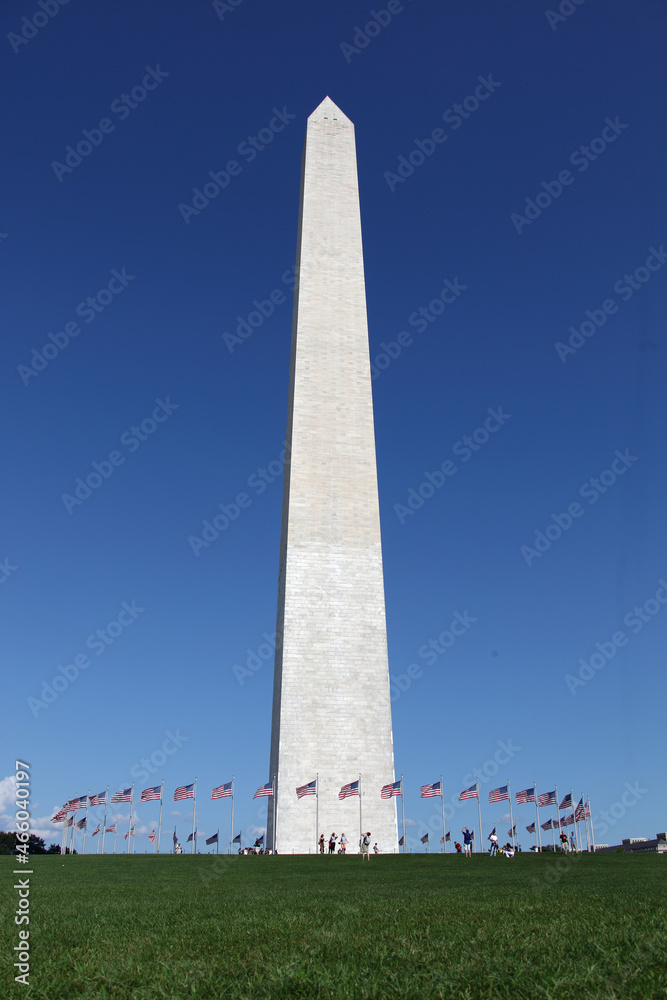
x=560, y=843
x=231, y=836
x=106, y=799
x=574, y=809
x=538, y=831
x=217, y=843
x=583, y=806
x=85, y=825
x=61, y=835
x=509, y=794
x=317, y=806
x=194, y=815
x=590, y=820
x=275, y=810
x=403, y=811
x=479, y=813
x=129, y=827
x=442, y=802
x=159, y=824
x=361, y=835
x=115, y=831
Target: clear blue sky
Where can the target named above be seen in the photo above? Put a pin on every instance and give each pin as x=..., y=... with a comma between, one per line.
x=534, y=199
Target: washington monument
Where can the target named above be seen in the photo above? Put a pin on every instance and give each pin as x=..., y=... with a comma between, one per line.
x=331, y=701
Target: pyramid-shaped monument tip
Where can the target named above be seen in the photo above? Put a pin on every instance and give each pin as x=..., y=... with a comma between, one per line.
x=327, y=109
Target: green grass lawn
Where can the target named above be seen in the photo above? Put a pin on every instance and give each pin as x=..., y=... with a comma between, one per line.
x=410, y=928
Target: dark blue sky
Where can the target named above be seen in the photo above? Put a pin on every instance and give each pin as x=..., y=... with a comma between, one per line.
x=511, y=173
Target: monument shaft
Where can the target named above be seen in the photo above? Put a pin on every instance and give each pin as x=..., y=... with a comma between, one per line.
x=331, y=700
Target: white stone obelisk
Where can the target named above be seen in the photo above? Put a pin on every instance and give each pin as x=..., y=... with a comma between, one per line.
x=331, y=700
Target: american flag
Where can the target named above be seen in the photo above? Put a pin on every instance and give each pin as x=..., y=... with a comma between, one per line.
x=468, y=793
x=175, y=837
x=580, y=812
x=184, y=792
x=547, y=799
x=401, y=842
x=264, y=791
x=424, y=838
x=79, y=803
x=389, y=790
x=130, y=833
x=70, y=821
x=97, y=830
x=443, y=839
x=237, y=839
x=531, y=828
x=309, y=789
x=151, y=794
x=190, y=837
x=60, y=816
x=499, y=794
x=510, y=833
x=347, y=790
x=527, y=795
x=492, y=832
x=222, y=791
x=111, y=829
x=99, y=799
x=260, y=840
x=568, y=820
x=124, y=796
x=430, y=791
x=567, y=802
x=151, y=837
x=213, y=839
x=80, y=825
x=546, y=826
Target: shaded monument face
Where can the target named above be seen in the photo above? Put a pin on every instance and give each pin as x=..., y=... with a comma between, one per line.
x=331, y=702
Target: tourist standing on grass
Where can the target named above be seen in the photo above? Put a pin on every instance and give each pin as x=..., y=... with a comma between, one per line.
x=332, y=843
x=563, y=841
x=343, y=843
x=375, y=848
x=573, y=843
x=365, y=846
x=467, y=842
x=494, y=844
x=321, y=843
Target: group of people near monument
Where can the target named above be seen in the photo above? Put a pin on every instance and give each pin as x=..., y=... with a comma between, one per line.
x=364, y=844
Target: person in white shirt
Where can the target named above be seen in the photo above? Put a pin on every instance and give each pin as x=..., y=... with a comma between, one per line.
x=343, y=843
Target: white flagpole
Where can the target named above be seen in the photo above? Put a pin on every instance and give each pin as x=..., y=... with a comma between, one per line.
x=405, y=846
x=61, y=836
x=560, y=843
x=275, y=809
x=85, y=827
x=231, y=836
x=159, y=823
x=130, y=823
x=442, y=802
x=194, y=815
x=317, y=806
x=590, y=820
x=106, y=799
x=479, y=813
x=361, y=835
x=538, y=831
x=115, y=831
x=583, y=806
x=575, y=825
x=509, y=795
